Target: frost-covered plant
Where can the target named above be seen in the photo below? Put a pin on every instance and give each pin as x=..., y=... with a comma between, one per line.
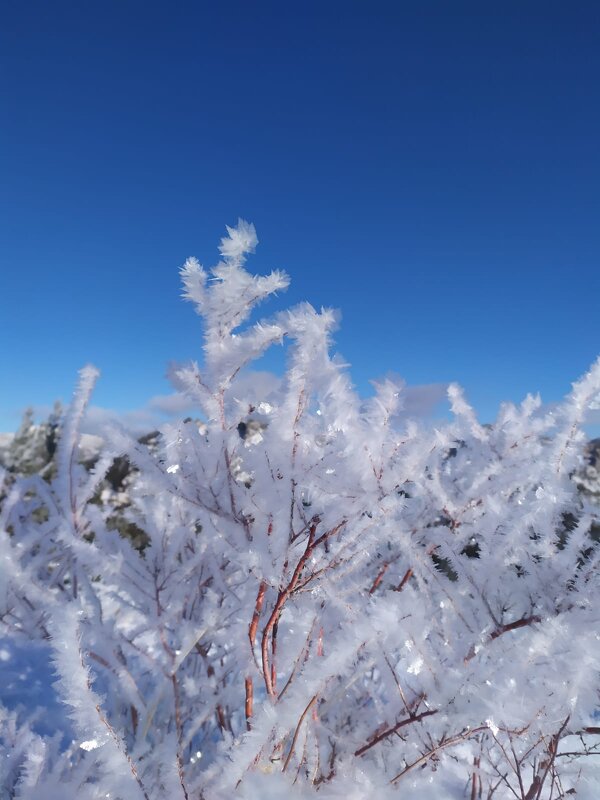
x=332, y=602
x=588, y=476
x=31, y=450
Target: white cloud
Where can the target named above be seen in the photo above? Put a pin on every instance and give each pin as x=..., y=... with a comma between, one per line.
x=138, y=421
x=422, y=400
x=256, y=386
x=175, y=403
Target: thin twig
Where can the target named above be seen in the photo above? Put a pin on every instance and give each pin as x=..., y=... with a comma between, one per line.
x=297, y=731
x=389, y=731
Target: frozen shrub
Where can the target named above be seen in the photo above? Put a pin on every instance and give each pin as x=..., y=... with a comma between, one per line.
x=331, y=603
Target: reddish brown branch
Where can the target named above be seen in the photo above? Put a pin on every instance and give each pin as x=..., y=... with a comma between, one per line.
x=252, y=628
x=535, y=790
x=260, y=597
x=510, y=626
x=389, y=731
x=221, y=718
x=407, y=576
x=513, y=626
x=376, y=583
x=274, y=654
x=284, y=595
x=249, y=701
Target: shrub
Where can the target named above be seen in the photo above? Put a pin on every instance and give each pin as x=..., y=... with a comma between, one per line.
x=331, y=602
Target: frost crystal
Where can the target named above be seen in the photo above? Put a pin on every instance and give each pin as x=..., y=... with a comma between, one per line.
x=92, y=744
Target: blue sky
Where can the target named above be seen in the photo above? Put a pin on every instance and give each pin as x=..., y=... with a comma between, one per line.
x=430, y=168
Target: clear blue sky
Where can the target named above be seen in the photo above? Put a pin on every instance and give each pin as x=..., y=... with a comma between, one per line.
x=430, y=168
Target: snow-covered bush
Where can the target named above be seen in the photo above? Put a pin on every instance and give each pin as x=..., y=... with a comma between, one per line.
x=31, y=450
x=332, y=602
x=588, y=476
